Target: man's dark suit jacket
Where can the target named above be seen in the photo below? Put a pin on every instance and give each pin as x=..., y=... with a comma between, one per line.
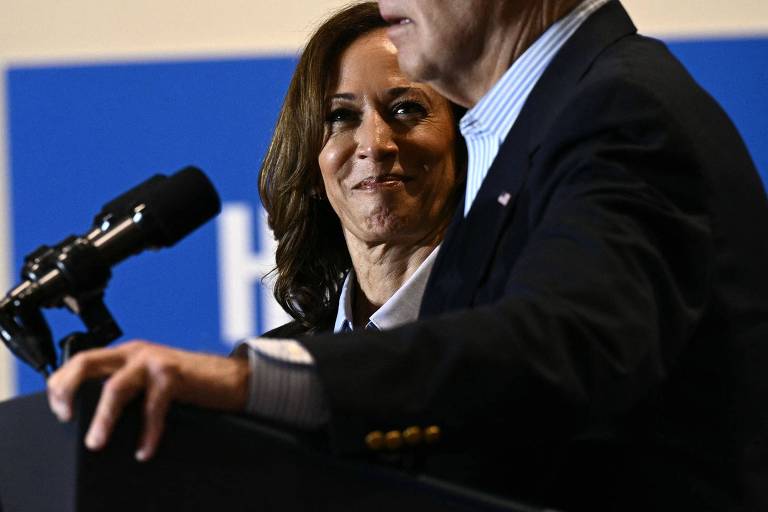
x=599, y=341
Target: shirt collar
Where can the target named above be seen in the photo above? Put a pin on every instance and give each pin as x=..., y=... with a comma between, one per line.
x=496, y=112
x=401, y=308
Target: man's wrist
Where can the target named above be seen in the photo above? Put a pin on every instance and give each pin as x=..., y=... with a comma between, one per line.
x=216, y=382
x=283, y=383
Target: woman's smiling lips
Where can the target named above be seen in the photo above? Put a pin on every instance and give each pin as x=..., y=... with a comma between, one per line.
x=381, y=182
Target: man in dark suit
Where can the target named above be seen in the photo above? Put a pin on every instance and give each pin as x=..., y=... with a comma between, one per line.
x=594, y=332
x=593, y=335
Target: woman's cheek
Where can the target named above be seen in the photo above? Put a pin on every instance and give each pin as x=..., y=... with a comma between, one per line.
x=334, y=155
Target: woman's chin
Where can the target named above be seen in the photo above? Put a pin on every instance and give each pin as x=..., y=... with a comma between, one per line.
x=384, y=228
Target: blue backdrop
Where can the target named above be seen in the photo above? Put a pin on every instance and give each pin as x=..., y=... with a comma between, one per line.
x=80, y=135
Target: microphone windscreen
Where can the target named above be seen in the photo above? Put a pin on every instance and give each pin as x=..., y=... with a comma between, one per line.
x=184, y=201
x=122, y=206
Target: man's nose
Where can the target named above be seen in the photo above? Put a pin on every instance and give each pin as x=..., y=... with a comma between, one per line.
x=375, y=138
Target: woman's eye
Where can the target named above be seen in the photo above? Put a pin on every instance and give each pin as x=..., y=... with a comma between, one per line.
x=341, y=115
x=409, y=110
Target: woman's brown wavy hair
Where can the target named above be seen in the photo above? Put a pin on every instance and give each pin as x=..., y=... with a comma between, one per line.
x=312, y=256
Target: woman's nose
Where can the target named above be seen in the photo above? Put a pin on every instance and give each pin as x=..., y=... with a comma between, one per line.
x=375, y=138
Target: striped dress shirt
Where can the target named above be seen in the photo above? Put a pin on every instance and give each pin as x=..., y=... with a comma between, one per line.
x=486, y=125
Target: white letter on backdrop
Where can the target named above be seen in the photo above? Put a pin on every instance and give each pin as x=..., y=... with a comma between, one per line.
x=241, y=271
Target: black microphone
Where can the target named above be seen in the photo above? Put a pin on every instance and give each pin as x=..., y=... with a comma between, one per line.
x=155, y=214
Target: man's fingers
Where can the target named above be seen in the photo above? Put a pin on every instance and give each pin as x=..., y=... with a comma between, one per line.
x=167, y=374
x=124, y=385
x=158, y=399
x=64, y=383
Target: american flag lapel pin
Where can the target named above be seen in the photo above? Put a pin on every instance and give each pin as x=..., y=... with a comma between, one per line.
x=504, y=198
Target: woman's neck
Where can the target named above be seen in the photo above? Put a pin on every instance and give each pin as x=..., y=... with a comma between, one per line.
x=380, y=270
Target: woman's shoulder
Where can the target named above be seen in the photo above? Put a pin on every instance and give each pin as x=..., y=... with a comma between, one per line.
x=296, y=328
x=289, y=330
x=321, y=324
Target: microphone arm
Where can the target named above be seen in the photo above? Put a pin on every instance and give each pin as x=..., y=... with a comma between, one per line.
x=75, y=272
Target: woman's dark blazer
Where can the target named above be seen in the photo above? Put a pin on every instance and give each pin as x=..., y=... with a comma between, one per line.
x=295, y=329
x=598, y=341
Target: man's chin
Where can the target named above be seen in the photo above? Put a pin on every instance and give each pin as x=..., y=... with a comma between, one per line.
x=415, y=67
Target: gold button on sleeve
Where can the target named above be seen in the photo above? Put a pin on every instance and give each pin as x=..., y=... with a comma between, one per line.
x=432, y=434
x=412, y=436
x=375, y=440
x=393, y=439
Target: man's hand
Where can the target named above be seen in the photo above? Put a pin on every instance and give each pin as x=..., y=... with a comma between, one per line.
x=163, y=373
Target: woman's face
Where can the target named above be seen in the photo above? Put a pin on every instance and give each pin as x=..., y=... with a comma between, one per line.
x=388, y=159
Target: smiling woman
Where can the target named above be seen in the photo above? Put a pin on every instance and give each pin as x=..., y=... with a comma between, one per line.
x=370, y=184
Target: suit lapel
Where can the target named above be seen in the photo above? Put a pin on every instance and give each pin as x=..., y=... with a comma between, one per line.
x=493, y=206
x=471, y=242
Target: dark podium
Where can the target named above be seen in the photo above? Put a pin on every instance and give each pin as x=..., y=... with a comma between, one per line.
x=207, y=461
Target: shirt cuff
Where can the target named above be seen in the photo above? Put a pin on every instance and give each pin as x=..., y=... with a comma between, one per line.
x=283, y=383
